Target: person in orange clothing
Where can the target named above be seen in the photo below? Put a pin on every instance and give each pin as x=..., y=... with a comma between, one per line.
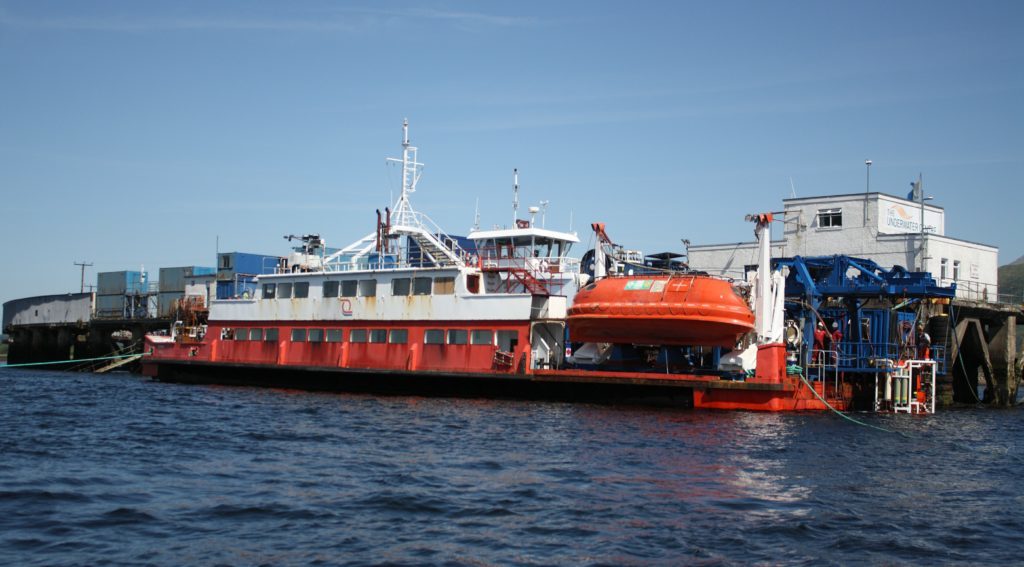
x=923, y=343
x=819, y=341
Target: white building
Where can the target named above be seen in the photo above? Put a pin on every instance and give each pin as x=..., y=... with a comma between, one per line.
x=889, y=230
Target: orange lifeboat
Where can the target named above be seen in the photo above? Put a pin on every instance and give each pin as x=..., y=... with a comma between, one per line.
x=696, y=310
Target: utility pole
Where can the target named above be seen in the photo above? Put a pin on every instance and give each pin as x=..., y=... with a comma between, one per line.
x=83, y=265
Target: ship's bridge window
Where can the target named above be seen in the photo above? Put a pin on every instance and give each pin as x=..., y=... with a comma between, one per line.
x=330, y=289
x=367, y=288
x=334, y=335
x=433, y=337
x=357, y=336
x=227, y=334
x=378, y=335
x=457, y=336
x=349, y=288
x=830, y=218
x=316, y=335
x=398, y=336
x=301, y=289
x=284, y=290
x=255, y=334
x=241, y=334
x=421, y=286
x=269, y=291
x=270, y=335
x=444, y=286
x=298, y=335
x=482, y=337
x=400, y=286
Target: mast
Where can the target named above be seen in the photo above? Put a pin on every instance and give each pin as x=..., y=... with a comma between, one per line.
x=515, y=196
x=403, y=214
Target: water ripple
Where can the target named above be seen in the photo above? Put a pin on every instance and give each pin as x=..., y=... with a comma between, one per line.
x=119, y=470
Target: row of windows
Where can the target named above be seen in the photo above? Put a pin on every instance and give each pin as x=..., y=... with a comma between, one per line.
x=391, y=336
x=249, y=334
x=362, y=288
x=944, y=269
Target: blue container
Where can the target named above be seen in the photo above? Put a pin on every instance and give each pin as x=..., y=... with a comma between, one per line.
x=174, y=279
x=230, y=264
x=120, y=283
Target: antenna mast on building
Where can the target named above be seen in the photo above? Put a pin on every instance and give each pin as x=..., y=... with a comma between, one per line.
x=83, y=265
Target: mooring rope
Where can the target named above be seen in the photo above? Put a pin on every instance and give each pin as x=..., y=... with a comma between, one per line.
x=75, y=360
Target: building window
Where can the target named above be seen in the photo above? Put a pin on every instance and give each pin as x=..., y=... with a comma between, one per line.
x=400, y=286
x=316, y=335
x=830, y=218
x=398, y=336
x=943, y=269
x=956, y=270
x=301, y=289
x=270, y=335
x=444, y=286
x=367, y=288
x=433, y=337
x=378, y=335
x=457, y=336
x=482, y=338
x=298, y=335
x=421, y=286
x=349, y=288
x=330, y=289
x=284, y=291
x=334, y=335
x=357, y=336
x=269, y=291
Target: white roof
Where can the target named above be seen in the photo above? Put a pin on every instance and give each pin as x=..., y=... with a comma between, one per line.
x=532, y=231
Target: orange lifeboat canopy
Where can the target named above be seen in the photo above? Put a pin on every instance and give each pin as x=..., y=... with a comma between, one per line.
x=695, y=310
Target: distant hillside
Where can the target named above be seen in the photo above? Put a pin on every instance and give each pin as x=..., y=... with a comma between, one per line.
x=1011, y=278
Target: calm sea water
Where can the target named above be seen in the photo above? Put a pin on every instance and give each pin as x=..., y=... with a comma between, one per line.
x=118, y=470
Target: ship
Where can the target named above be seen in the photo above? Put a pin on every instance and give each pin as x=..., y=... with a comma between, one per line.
x=502, y=312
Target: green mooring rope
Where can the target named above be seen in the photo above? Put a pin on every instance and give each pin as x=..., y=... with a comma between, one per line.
x=75, y=361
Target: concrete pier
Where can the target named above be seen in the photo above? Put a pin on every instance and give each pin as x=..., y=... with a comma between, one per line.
x=984, y=350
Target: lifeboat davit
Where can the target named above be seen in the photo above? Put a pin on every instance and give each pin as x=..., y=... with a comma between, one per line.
x=696, y=310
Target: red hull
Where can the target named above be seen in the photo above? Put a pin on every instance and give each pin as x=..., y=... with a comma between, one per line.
x=662, y=310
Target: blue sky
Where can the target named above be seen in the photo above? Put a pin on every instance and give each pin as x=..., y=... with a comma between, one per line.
x=138, y=133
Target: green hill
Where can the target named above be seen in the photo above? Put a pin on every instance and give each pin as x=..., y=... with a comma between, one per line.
x=1011, y=279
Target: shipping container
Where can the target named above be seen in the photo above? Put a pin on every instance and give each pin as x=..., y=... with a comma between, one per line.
x=167, y=304
x=119, y=283
x=230, y=264
x=175, y=279
x=110, y=306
